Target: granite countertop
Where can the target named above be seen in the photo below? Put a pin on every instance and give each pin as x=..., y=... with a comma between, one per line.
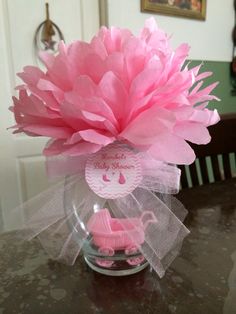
x=201, y=280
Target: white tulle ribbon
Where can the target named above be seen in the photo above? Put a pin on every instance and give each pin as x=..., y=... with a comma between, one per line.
x=59, y=216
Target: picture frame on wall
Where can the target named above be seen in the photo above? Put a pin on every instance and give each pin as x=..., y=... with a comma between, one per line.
x=192, y=9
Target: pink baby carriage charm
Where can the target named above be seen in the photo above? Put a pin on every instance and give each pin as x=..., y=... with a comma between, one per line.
x=119, y=234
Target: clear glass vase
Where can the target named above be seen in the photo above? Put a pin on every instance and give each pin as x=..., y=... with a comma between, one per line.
x=107, y=241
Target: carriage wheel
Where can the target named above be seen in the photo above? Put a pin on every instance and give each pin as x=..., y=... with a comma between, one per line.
x=106, y=250
x=130, y=250
x=104, y=263
x=135, y=261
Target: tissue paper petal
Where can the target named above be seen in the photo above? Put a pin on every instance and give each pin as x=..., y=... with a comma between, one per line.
x=135, y=89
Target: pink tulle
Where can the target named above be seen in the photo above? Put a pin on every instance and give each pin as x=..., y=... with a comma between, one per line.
x=117, y=87
x=63, y=216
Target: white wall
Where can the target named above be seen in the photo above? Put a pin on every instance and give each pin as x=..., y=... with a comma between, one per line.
x=22, y=170
x=209, y=40
x=25, y=16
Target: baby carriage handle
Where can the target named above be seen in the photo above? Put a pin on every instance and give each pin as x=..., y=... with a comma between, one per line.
x=146, y=222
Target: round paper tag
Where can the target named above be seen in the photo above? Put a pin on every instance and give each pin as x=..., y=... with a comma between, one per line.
x=113, y=172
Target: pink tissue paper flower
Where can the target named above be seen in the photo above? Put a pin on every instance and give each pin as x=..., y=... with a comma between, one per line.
x=119, y=87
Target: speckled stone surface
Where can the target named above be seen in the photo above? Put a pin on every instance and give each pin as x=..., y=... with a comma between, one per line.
x=202, y=280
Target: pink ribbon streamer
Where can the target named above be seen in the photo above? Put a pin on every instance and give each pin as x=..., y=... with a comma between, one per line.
x=59, y=216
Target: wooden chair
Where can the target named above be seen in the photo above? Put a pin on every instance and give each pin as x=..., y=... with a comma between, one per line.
x=222, y=144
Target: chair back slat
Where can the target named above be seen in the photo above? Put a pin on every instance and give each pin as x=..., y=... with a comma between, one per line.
x=226, y=166
x=193, y=174
x=203, y=169
x=184, y=181
x=216, y=168
x=223, y=143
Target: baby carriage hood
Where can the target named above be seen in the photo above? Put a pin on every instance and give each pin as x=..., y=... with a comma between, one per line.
x=100, y=222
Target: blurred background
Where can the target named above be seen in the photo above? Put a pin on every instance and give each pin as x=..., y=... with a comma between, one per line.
x=22, y=171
